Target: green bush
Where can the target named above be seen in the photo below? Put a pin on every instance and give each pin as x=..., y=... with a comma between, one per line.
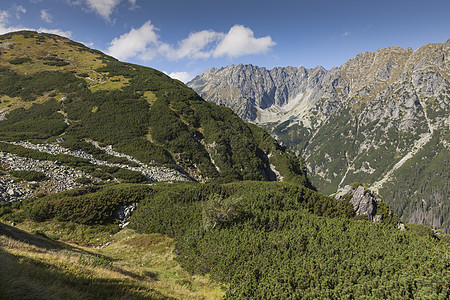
x=29, y=175
x=38, y=122
x=219, y=211
x=83, y=180
x=269, y=239
x=89, y=205
x=421, y=230
x=56, y=63
x=5, y=208
x=20, y=60
x=130, y=176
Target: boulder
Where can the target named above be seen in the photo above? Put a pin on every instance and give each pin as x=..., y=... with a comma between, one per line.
x=363, y=200
x=124, y=214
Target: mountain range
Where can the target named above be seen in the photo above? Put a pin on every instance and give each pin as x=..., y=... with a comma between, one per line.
x=381, y=118
x=119, y=182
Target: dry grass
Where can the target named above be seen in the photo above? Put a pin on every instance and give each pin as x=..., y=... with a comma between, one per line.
x=150, y=96
x=80, y=62
x=133, y=266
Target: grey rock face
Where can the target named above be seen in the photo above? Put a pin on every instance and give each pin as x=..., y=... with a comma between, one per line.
x=124, y=214
x=364, y=201
x=365, y=121
x=248, y=90
x=153, y=174
x=401, y=226
x=60, y=178
x=10, y=191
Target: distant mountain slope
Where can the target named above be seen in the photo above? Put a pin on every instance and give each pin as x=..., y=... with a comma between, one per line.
x=382, y=118
x=52, y=88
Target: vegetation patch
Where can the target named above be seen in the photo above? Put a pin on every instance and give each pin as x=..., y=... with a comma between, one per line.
x=263, y=239
x=34, y=266
x=29, y=175
x=20, y=60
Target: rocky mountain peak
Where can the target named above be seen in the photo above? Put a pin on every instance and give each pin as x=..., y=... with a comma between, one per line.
x=381, y=116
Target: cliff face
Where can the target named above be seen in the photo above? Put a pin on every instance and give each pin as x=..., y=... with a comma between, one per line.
x=381, y=118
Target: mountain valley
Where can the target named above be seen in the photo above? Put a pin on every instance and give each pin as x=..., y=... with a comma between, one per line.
x=382, y=118
x=119, y=182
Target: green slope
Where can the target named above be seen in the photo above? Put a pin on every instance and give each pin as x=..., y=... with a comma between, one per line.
x=51, y=87
x=266, y=240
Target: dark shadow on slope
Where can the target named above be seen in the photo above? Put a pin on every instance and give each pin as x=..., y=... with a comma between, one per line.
x=23, y=277
x=32, y=239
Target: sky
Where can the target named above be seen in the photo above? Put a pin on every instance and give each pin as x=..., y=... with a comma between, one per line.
x=185, y=38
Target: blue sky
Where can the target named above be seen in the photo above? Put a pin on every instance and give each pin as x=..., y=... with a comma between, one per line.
x=184, y=38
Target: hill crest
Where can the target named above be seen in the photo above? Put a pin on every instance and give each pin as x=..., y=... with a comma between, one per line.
x=53, y=88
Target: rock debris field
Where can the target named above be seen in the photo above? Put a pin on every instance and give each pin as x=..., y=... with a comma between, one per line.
x=61, y=177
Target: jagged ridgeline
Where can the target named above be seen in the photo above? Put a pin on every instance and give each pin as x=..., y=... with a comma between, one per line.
x=381, y=118
x=52, y=87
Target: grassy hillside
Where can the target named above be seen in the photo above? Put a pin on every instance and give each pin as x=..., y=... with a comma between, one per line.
x=51, y=87
x=133, y=266
x=258, y=240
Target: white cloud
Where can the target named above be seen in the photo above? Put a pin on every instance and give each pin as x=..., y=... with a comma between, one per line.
x=4, y=28
x=345, y=34
x=60, y=32
x=19, y=9
x=182, y=76
x=133, y=5
x=145, y=44
x=4, y=16
x=103, y=7
x=136, y=42
x=194, y=45
x=46, y=16
x=240, y=41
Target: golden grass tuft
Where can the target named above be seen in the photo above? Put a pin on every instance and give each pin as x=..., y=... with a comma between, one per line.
x=133, y=266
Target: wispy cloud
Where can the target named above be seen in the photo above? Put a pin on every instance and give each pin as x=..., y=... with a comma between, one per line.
x=103, y=7
x=182, y=76
x=46, y=16
x=133, y=5
x=345, y=34
x=4, y=16
x=5, y=27
x=145, y=44
x=19, y=9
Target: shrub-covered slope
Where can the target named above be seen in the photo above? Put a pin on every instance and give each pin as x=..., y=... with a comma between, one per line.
x=52, y=87
x=264, y=240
